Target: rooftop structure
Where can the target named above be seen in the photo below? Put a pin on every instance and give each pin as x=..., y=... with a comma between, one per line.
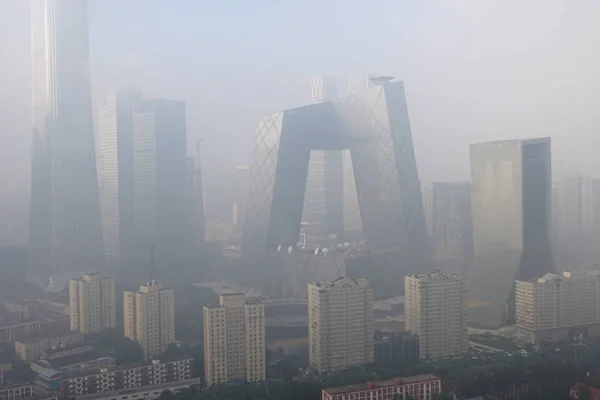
x=419, y=387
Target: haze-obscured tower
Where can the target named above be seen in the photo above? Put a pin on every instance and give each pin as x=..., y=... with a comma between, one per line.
x=65, y=235
x=196, y=206
x=427, y=191
x=242, y=177
x=323, y=210
x=577, y=205
x=161, y=212
x=511, y=202
x=374, y=126
x=452, y=221
x=115, y=124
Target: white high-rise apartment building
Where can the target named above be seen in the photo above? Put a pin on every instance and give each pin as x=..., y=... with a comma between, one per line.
x=92, y=303
x=435, y=309
x=556, y=307
x=340, y=320
x=149, y=318
x=65, y=234
x=234, y=340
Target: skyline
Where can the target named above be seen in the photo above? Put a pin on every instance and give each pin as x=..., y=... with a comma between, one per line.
x=466, y=77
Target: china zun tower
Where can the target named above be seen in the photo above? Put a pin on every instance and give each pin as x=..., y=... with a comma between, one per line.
x=65, y=237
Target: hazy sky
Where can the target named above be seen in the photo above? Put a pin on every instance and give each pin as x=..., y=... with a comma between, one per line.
x=474, y=70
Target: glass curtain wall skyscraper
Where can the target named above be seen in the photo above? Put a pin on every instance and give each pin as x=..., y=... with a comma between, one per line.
x=116, y=176
x=511, y=183
x=65, y=236
x=160, y=163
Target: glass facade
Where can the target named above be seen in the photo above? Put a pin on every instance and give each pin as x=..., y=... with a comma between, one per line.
x=373, y=125
x=65, y=229
x=115, y=123
x=161, y=184
x=322, y=214
x=511, y=205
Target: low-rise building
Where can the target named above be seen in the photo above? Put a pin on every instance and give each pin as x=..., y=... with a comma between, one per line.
x=16, y=392
x=155, y=372
x=73, y=365
x=152, y=392
x=34, y=348
x=419, y=387
x=12, y=332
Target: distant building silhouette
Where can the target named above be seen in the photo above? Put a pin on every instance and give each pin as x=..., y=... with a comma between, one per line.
x=161, y=189
x=323, y=210
x=452, y=221
x=374, y=126
x=65, y=234
x=115, y=122
x=511, y=186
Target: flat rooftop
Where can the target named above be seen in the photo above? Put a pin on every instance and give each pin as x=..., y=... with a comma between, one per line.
x=382, y=384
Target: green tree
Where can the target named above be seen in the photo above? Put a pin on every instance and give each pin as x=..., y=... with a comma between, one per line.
x=125, y=351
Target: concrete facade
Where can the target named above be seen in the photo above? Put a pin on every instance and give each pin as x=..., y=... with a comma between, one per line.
x=149, y=318
x=234, y=341
x=435, y=309
x=92, y=303
x=556, y=307
x=340, y=330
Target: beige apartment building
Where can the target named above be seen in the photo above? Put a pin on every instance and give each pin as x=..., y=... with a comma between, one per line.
x=234, y=340
x=92, y=303
x=340, y=324
x=435, y=309
x=149, y=318
x=556, y=307
x=33, y=349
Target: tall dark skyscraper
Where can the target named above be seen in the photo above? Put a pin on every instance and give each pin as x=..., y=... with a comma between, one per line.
x=115, y=121
x=511, y=202
x=452, y=221
x=65, y=236
x=161, y=184
x=374, y=126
